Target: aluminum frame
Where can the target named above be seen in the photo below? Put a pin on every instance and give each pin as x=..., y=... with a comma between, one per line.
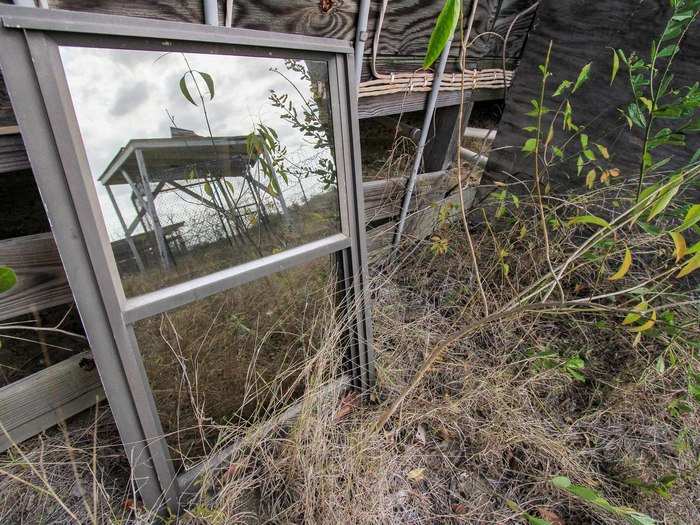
x=34, y=75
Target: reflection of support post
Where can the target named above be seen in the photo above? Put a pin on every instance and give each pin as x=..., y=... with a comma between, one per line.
x=141, y=211
x=127, y=236
x=194, y=195
x=157, y=230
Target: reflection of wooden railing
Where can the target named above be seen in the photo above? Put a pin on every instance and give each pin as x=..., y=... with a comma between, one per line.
x=37, y=402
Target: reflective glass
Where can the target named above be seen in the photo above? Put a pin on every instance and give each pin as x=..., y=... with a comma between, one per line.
x=224, y=359
x=204, y=161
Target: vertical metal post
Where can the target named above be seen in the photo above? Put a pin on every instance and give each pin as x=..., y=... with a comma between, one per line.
x=127, y=236
x=427, y=118
x=157, y=230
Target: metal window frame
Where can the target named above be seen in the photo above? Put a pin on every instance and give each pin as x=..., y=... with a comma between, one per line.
x=35, y=79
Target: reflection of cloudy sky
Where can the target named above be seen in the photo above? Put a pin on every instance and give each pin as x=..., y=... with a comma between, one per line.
x=121, y=95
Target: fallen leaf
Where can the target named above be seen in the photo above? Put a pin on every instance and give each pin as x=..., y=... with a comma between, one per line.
x=421, y=434
x=349, y=403
x=416, y=475
x=551, y=516
x=459, y=508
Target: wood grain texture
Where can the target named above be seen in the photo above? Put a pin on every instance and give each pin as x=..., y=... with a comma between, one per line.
x=420, y=223
x=13, y=156
x=581, y=33
x=41, y=281
x=397, y=103
x=41, y=400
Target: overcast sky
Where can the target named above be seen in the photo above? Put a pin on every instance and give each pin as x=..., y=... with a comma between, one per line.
x=119, y=95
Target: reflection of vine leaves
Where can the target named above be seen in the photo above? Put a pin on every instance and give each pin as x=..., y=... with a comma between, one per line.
x=307, y=120
x=207, y=80
x=263, y=146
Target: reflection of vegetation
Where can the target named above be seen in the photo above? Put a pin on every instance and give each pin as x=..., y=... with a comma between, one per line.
x=312, y=120
x=212, y=361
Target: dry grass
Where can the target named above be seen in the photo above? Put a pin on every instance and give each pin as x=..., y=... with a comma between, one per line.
x=490, y=423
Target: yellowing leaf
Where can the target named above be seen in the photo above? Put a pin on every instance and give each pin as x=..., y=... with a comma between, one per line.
x=605, y=176
x=636, y=313
x=624, y=267
x=416, y=475
x=590, y=179
x=615, y=66
x=603, y=151
x=614, y=172
x=692, y=265
x=647, y=325
x=680, y=245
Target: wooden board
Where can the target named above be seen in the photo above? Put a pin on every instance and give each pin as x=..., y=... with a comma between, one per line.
x=13, y=156
x=41, y=281
x=585, y=32
x=41, y=400
x=383, y=201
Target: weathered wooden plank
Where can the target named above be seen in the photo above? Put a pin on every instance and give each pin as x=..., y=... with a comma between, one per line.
x=419, y=224
x=585, y=32
x=41, y=281
x=446, y=136
x=398, y=103
x=41, y=400
x=13, y=156
x=181, y=11
x=383, y=198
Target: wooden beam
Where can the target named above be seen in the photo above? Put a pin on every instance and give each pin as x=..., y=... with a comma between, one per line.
x=41, y=400
x=445, y=137
x=398, y=103
x=41, y=282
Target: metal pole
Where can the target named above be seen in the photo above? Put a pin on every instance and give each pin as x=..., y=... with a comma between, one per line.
x=128, y=238
x=427, y=119
x=211, y=13
x=361, y=38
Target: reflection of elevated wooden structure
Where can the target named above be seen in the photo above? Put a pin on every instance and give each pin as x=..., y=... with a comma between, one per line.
x=144, y=243
x=178, y=163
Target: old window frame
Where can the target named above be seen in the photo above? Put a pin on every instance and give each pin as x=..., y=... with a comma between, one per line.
x=35, y=78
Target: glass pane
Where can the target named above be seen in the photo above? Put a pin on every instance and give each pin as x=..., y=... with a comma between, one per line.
x=204, y=161
x=225, y=358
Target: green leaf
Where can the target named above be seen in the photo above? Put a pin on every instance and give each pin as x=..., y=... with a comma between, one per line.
x=443, y=30
x=579, y=165
x=8, y=278
x=185, y=91
x=691, y=218
x=530, y=145
x=207, y=189
x=615, y=66
x=209, y=81
x=589, y=219
x=665, y=198
x=565, y=84
x=584, y=140
x=582, y=76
